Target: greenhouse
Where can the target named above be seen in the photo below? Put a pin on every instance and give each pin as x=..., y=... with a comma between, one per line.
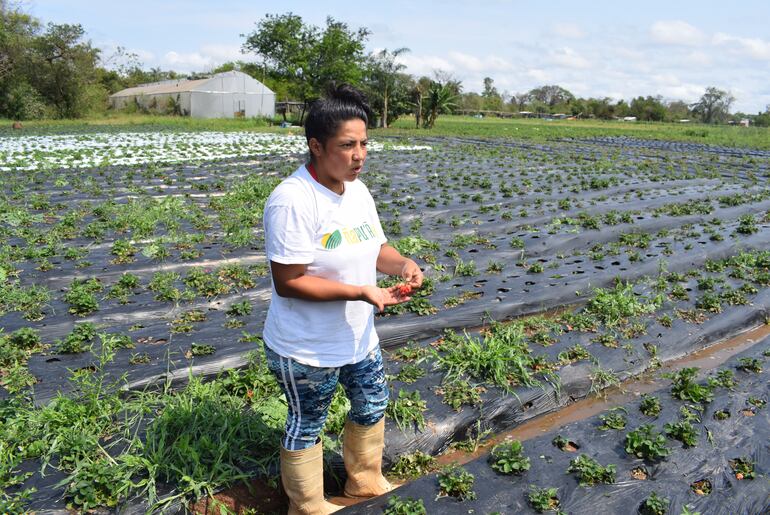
x=231, y=94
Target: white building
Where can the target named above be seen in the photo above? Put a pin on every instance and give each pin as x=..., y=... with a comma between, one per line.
x=224, y=95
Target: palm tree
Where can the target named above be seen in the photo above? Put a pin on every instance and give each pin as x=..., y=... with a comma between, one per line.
x=440, y=99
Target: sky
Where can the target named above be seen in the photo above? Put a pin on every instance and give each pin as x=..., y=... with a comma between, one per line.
x=618, y=49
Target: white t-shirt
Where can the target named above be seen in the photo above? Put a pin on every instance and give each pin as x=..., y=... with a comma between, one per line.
x=338, y=237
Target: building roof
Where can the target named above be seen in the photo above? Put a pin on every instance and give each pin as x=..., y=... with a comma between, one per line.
x=182, y=85
x=159, y=88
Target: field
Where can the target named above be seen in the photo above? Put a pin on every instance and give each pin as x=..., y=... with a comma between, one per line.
x=560, y=260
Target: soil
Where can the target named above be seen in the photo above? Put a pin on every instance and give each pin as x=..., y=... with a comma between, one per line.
x=258, y=495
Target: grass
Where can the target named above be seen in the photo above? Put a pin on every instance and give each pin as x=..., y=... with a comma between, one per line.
x=501, y=357
x=110, y=447
x=446, y=125
x=541, y=130
x=141, y=122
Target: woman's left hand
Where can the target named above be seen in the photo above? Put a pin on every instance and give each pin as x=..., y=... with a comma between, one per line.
x=411, y=273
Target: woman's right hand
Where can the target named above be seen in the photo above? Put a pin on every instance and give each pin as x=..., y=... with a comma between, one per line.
x=381, y=297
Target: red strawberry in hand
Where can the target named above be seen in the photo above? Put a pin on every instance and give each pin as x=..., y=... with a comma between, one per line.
x=404, y=290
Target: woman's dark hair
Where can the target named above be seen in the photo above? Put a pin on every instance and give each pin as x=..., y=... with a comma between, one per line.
x=342, y=103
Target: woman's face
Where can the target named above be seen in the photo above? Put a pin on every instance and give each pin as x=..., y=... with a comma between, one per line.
x=342, y=158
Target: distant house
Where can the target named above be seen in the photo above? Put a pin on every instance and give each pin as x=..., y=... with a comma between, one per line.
x=629, y=118
x=745, y=122
x=231, y=94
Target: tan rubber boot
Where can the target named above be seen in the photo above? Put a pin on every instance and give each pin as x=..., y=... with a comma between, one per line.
x=362, y=452
x=302, y=475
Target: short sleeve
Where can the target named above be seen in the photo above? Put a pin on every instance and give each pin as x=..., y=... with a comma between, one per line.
x=288, y=234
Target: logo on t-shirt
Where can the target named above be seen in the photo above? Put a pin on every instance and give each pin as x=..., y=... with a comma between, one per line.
x=332, y=240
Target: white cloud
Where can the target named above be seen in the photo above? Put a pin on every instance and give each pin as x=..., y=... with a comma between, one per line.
x=424, y=64
x=752, y=47
x=222, y=53
x=568, y=58
x=676, y=32
x=699, y=58
x=209, y=56
x=538, y=75
x=143, y=55
x=568, y=30
x=186, y=62
x=490, y=63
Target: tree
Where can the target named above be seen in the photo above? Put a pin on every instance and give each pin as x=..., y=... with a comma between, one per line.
x=63, y=68
x=519, y=101
x=417, y=94
x=677, y=110
x=439, y=100
x=383, y=77
x=492, y=99
x=650, y=109
x=713, y=106
x=600, y=108
x=763, y=119
x=18, y=99
x=308, y=57
x=551, y=95
x=471, y=101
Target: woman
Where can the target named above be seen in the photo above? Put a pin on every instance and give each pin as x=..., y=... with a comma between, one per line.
x=324, y=241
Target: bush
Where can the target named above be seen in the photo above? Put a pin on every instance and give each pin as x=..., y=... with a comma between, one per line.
x=23, y=102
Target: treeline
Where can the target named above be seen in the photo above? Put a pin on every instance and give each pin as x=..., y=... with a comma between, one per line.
x=712, y=107
x=53, y=71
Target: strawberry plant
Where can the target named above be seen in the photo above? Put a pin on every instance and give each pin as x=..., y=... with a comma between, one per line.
x=753, y=365
x=589, y=472
x=410, y=466
x=615, y=419
x=644, y=442
x=398, y=506
x=650, y=406
x=682, y=431
x=459, y=392
x=240, y=309
x=743, y=468
x=123, y=251
x=723, y=378
x=543, y=499
x=410, y=353
x=81, y=298
x=685, y=388
x=200, y=350
x=654, y=505
x=564, y=444
x=506, y=458
x=79, y=340
x=410, y=373
x=25, y=338
x=575, y=353
x=456, y=482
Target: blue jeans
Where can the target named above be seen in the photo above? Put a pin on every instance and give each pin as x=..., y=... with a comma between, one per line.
x=309, y=391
